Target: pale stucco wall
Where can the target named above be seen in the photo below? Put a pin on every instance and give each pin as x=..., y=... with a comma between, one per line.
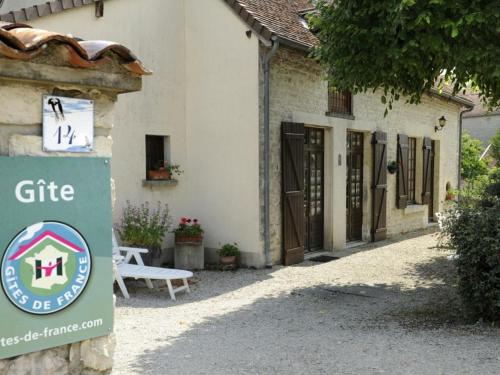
x=153, y=30
x=222, y=124
x=204, y=95
x=299, y=94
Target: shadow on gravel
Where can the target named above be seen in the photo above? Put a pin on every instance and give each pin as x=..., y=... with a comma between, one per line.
x=225, y=282
x=333, y=328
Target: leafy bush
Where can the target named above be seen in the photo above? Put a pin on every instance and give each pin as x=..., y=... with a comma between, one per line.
x=229, y=250
x=473, y=229
x=495, y=146
x=143, y=226
x=471, y=166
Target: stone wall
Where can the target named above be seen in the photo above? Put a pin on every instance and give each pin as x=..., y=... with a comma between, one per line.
x=22, y=85
x=299, y=94
x=20, y=134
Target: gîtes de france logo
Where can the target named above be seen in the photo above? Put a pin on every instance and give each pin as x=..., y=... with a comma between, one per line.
x=45, y=268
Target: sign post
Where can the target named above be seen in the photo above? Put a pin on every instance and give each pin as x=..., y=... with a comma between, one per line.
x=55, y=252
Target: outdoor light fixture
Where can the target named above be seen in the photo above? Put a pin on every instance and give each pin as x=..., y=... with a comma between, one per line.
x=442, y=123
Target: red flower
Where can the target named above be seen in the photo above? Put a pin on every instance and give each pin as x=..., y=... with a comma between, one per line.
x=184, y=220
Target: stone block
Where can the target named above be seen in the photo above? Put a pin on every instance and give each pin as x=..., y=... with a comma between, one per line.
x=47, y=362
x=97, y=354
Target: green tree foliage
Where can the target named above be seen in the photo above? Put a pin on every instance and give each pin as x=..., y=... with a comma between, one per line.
x=495, y=146
x=471, y=166
x=404, y=46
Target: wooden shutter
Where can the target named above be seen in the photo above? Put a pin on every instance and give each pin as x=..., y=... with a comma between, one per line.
x=427, y=171
x=379, y=187
x=292, y=169
x=402, y=183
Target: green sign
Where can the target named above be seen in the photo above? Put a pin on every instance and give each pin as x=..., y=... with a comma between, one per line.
x=55, y=252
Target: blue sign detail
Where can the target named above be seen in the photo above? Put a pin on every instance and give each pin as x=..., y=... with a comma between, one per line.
x=45, y=268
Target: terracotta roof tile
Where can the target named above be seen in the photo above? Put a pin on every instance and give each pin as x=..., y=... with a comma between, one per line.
x=21, y=42
x=276, y=17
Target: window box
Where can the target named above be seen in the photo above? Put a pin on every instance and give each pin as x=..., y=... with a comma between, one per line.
x=159, y=183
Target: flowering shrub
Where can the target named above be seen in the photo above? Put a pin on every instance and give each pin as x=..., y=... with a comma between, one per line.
x=144, y=227
x=188, y=228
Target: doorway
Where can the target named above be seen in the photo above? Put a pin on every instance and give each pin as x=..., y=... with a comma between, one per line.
x=314, y=168
x=354, y=186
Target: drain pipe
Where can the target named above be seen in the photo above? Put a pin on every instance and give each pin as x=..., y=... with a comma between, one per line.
x=460, y=131
x=266, y=68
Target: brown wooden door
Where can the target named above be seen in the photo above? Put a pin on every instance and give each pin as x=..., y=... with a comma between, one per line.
x=428, y=175
x=314, y=168
x=354, y=186
x=292, y=169
x=379, y=187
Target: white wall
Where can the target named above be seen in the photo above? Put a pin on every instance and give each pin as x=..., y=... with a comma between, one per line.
x=203, y=94
x=154, y=31
x=222, y=122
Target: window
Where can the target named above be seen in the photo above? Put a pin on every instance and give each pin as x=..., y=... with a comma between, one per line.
x=412, y=150
x=339, y=103
x=157, y=151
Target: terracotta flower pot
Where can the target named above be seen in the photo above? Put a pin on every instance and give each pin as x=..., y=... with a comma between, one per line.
x=450, y=196
x=228, y=260
x=161, y=174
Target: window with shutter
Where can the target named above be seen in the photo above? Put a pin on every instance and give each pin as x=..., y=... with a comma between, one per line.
x=402, y=177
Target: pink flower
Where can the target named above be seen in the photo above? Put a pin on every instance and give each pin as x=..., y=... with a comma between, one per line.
x=195, y=221
x=184, y=220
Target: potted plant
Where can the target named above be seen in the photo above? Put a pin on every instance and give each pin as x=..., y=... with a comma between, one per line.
x=164, y=171
x=142, y=226
x=392, y=167
x=189, y=252
x=188, y=230
x=228, y=254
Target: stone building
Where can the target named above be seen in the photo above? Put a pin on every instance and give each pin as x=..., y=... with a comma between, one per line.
x=207, y=111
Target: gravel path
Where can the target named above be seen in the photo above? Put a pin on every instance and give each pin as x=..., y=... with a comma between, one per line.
x=385, y=309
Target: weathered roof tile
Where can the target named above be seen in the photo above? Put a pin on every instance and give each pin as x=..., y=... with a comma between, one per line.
x=280, y=18
x=21, y=42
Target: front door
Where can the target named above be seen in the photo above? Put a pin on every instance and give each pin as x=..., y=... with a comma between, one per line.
x=354, y=186
x=314, y=167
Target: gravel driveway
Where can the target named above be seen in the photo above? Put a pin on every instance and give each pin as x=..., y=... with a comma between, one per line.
x=385, y=309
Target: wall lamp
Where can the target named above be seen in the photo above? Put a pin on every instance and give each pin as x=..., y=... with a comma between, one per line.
x=442, y=123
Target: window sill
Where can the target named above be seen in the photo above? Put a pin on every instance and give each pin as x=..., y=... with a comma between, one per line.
x=415, y=208
x=159, y=183
x=340, y=115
